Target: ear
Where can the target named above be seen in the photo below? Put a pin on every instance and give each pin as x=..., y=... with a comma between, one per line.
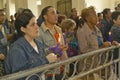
x=22, y=29
x=45, y=17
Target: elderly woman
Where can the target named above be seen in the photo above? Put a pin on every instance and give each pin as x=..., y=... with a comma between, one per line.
x=88, y=35
x=26, y=52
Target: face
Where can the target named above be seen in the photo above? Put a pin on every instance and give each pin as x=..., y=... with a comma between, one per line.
x=31, y=29
x=2, y=17
x=71, y=29
x=92, y=18
x=118, y=8
x=100, y=17
x=51, y=16
x=108, y=14
x=74, y=12
x=117, y=21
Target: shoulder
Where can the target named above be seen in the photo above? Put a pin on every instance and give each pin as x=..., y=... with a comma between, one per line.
x=18, y=45
x=19, y=41
x=98, y=30
x=84, y=27
x=115, y=29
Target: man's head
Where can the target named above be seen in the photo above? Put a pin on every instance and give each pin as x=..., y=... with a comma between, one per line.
x=2, y=16
x=106, y=13
x=117, y=9
x=74, y=12
x=49, y=15
x=116, y=18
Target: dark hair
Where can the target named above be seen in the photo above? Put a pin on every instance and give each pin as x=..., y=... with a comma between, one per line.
x=61, y=17
x=115, y=15
x=2, y=10
x=115, y=8
x=26, y=11
x=105, y=11
x=45, y=10
x=22, y=20
x=73, y=9
x=80, y=23
x=118, y=5
x=39, y=20
x=98, y=14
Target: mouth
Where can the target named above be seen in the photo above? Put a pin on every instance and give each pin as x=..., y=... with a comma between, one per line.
x=37, y=31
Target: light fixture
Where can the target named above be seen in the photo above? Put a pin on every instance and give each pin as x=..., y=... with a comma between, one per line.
x=39, y=2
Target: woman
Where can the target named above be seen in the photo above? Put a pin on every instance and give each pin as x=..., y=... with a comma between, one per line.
x=26, y=52
x=88, y=35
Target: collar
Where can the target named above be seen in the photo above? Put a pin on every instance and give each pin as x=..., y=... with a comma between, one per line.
x=24, y=43
x=89, y=30
x=45, y=28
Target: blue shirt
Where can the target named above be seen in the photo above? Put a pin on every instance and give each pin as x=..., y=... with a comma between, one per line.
x=115, y=36
x=106, y=28
x=22, y=56
x=3, y=40
x=115, y=33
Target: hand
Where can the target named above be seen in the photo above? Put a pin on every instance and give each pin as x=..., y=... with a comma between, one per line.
x=51, y=57
x=107, y=44
x=63, y=47
x=115, y=43
x=2, y=57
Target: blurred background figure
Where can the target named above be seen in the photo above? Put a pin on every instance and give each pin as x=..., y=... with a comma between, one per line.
x=4, y=32
x=74, y=15
x=107, y=22
x=61, y=17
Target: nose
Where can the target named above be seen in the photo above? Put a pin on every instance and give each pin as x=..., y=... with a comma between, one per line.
x=36, y=26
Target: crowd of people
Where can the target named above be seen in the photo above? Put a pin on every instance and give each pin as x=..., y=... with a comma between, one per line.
x=27, y=42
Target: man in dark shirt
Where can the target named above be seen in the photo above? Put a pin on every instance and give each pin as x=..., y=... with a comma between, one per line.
x=107, y=22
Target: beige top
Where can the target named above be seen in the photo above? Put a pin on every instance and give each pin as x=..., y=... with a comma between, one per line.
x=47, y=38
x=87, y=39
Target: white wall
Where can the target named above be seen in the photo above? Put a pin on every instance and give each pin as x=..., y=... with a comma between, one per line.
x=1, y=4
x=32, y=4
x=47, y=3
x=114, y=3
x=20, y=4
x=12, y=7
x=98, y=4
x=78, y=4
x=102, y=4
